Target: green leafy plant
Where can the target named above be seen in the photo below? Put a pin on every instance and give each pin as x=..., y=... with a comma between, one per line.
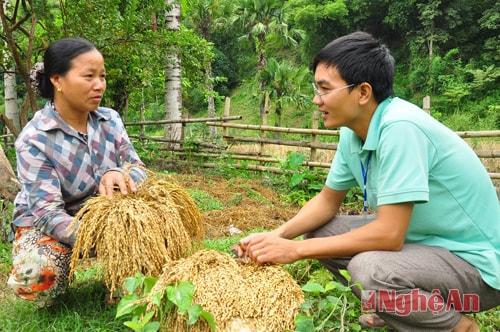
x=354, y=198
x=6, y=209
x=10, y=153
x=180, y=296
x=306, y=270
x=148, y=151
x=137, y=288
x=327, y=306
x=303, y=182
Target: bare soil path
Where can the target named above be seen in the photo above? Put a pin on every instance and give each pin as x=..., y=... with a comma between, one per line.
x=247, y=204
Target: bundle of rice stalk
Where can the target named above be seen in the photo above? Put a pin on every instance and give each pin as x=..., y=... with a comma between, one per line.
x=166, y=188
x=138, y=232
x=241, y=297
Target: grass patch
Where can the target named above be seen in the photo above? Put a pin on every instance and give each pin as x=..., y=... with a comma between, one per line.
x=204, y=200
x=5, y=257
x=81, y=308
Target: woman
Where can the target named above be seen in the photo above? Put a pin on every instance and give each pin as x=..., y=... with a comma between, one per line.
x=71, y=150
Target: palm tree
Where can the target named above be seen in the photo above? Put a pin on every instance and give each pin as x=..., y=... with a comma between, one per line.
x=260, y=19
x=283, y=83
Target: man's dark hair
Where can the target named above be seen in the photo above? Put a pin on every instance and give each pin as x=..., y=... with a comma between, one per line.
x=57, y=60
x=359, y=58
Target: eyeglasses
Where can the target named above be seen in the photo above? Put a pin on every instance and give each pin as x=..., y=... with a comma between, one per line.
x=321, y=94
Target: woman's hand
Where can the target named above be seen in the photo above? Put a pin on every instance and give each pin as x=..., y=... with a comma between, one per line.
x=112, y=180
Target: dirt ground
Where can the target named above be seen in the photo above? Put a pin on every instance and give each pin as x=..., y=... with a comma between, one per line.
x=247, y=204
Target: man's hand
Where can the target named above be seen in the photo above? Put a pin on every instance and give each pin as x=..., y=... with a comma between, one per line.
x=112, y=180
x=268, y=248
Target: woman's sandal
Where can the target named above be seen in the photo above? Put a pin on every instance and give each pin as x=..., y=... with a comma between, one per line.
x=371, y=320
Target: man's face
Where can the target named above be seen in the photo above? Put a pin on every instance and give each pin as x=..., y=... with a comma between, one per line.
x=336, y=100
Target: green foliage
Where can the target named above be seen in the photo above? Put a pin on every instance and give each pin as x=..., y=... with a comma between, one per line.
x=460, y=71
x=5, y=256
x=10, y=153
x=260, y=22
x=80, y=309
x=178, y=296
x=285, y=84
x=137, y=287
x=327, y=307
x=119, y=30
x=484, y=78
x=148, y=151
x=306, y=270
x=221, y=244
x=354, y=199
x=488, y=320
x=204, y=201
x=321, y=21
x=456, y=79
x=182, y=296
x=6, y=209
x=303, y=182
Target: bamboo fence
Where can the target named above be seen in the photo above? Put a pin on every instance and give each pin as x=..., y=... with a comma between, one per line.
x=261, y=158
x=230, y=151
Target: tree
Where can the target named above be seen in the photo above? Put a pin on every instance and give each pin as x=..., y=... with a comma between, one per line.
x=259, y=19
x=11, y=109
x=142, y=56
x=321, y=20
x=173, y=92
x=18, y=23
x=283, y=82
x=204, y=15
x=9, y=78
x=429, y=14
x=126, y=34
x=490, y=25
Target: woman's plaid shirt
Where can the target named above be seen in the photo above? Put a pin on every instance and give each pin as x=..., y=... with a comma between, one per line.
x=59, y=168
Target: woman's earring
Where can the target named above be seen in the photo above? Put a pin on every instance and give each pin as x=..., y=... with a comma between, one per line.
x=59, y=90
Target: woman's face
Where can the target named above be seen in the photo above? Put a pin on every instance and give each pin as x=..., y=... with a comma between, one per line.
x=83, y=85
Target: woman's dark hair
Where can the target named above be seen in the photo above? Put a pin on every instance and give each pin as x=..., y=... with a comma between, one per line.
x=57, y=60
x=359, y=58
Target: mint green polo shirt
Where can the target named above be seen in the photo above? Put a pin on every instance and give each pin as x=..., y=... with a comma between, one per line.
x=417, y=159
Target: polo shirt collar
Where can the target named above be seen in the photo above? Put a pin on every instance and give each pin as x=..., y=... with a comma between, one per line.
x=372, y=137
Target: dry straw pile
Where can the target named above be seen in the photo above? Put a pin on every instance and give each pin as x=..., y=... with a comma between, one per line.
x=139, y=232
x=241, y=297
x=158, y=231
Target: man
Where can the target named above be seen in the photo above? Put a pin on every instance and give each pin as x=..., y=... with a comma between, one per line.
x=435, y=237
